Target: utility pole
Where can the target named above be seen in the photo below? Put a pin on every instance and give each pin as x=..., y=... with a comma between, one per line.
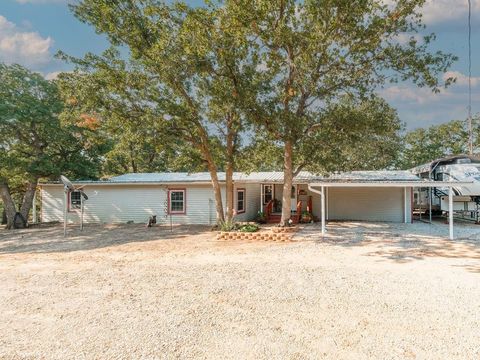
x=470, y=128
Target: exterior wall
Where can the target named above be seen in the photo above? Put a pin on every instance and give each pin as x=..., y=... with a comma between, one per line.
x=123, y=203
x=278, y=191
x=368, y=204
x=120, y=204
x=252, y=193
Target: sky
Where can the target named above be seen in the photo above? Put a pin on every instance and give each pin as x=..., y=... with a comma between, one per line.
x=32, y=31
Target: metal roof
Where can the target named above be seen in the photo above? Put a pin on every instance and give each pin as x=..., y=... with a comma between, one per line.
x=256, y=177
x=368, y=176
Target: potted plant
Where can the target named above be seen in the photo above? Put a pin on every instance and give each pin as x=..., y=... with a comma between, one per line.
x=261, y=218
x=306, y=217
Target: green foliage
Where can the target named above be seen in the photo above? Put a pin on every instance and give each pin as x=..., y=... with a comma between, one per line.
x=261, y=217
x=424, y=145
x=227, y=225
x=249, y=228
x=353, y=135
x=33, y=142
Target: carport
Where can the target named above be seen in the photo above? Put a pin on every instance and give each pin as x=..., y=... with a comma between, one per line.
x=393, y=203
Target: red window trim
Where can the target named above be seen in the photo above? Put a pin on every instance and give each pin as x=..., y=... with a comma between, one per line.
x=244, y=200
x=184, y=201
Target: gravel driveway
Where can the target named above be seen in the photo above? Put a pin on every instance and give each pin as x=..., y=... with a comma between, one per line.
x=364, y=291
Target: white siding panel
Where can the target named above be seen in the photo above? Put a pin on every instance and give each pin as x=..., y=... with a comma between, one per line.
x=118, y=204
x=367, y=204
x=252, y=201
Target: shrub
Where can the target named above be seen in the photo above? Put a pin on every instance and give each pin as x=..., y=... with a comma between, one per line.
x=227, y=225
x=261, y=218
x=249, y=228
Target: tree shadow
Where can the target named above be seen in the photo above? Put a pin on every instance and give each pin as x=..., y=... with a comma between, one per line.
x=403, y=243
x=50, y=239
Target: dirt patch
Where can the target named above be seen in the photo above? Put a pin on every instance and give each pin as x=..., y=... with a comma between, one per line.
x=364, y=291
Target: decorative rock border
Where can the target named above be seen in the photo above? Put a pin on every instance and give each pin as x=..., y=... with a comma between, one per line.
x=273, y=234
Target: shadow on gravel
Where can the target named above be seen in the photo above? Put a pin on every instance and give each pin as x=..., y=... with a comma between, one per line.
x=402, y=243
x=50, y=239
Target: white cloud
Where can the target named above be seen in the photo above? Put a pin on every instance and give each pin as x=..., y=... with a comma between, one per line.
x=24, y=47
x=52, y=75
x=420, y=107
x=405, y=38
x=441, y=11
x=445, y=11
x=41, y=1
x=462, y=80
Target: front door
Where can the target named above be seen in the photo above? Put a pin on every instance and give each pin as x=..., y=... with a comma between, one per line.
x=293, y=197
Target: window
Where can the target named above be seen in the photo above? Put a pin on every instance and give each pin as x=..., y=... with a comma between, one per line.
x=240, y=201
x=75, y=200
x=267, y=193
x=176, y=200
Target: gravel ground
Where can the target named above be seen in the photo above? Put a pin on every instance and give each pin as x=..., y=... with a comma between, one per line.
x=364, y=291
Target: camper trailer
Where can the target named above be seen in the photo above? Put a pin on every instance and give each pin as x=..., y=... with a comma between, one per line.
x=466, y=198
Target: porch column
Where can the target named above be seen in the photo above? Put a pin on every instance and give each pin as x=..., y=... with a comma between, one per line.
x=34, y=208
x=323, y=210
x=405, y=205
x=450, y=211
x=261, y=198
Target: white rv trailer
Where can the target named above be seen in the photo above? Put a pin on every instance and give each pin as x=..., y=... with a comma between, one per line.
x=466, y=199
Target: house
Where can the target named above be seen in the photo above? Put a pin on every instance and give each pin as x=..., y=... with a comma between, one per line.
x=189, y=199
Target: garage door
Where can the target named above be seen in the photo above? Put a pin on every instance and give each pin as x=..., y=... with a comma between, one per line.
x=368, y=204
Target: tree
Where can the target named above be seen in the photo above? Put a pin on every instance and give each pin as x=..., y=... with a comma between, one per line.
x=198, y=68
x=424, y=145
x=33, y=142
x=104, y=91
x=315, y=50
x=356, y=135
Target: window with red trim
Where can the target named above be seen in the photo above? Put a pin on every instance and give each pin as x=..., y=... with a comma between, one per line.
x=177, y=201
x=241, y=201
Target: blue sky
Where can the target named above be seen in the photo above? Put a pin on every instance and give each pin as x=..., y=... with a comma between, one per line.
x=32, y=31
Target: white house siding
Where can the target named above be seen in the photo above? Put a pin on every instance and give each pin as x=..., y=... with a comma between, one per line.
x=252, y=201
x=368, y=204
x=123, y=203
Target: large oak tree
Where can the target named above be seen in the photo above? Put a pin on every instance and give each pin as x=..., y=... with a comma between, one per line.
x=33, y=142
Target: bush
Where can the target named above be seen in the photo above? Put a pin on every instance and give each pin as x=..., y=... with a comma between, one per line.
x=249, y=228
x=227, y=225
x=261, y=218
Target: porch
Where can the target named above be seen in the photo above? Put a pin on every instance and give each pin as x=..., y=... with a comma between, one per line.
x=302, y=202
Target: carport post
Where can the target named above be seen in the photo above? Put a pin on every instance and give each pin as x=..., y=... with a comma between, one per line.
x=323, y=210
x=450, y=211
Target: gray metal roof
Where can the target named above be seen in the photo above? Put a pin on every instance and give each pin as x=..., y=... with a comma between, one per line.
x=256, y=177
x=183, y=177
x=368, y=176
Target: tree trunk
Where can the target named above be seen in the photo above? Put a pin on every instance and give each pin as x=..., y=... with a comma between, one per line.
x=287, y=183
x=8, y=203
x=229, y=191
x=27, y=201
x=217, y=192
x=229, y=170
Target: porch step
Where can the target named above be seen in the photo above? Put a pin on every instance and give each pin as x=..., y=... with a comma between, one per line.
x=272, y=219
x=275, y=219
